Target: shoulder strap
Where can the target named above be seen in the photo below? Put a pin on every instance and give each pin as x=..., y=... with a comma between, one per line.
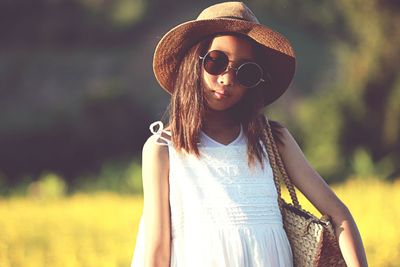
x=277, y=164
x=159, y=131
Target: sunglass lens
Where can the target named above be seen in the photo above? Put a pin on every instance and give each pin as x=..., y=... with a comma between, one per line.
x=249, y=74
x=215, y=62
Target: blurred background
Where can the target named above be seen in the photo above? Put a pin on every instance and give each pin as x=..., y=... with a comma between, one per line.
x=77, y=94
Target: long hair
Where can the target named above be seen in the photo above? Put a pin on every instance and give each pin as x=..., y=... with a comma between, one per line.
x=187, y=103
x=187, y=106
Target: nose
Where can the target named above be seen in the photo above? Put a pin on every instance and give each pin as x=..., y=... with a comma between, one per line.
x=227, y=78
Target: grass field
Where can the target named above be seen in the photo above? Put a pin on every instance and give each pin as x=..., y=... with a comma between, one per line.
x=100, y=230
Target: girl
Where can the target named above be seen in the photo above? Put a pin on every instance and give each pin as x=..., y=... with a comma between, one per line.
x=209, y=195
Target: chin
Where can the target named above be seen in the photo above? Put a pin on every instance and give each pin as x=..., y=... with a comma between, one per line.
x=220, y=108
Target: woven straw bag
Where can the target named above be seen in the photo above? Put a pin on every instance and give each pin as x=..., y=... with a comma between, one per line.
x=312, y=239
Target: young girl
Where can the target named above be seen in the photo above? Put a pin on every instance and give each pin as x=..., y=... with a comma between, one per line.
x=209, y=194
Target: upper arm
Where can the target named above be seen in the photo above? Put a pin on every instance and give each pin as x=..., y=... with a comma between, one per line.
x=155, y=169
x=307, y=180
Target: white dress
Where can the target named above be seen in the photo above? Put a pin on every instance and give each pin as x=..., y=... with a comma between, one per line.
x=223, y=213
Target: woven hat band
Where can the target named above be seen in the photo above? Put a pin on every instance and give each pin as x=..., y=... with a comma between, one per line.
x=233, y=10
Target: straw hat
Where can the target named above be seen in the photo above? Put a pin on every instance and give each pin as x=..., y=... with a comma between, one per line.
x=226, y=17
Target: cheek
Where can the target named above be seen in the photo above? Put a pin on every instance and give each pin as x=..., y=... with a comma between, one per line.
x=208, y=80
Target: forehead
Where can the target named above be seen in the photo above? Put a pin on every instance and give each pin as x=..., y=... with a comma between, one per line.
x=235, y=47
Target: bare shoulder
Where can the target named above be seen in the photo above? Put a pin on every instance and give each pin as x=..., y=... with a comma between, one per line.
x=154, y=148
x=288, y=141
x=286, y=135
x=155, y=170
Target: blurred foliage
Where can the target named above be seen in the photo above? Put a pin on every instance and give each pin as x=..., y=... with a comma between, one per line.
x=100, y=229
x=45, y=22
x=363, y=165
x=352, y=107
x=115, y=176
x=49, y=186
x=117, y=12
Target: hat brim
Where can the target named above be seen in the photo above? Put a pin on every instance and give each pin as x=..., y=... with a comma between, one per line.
x=279, y=55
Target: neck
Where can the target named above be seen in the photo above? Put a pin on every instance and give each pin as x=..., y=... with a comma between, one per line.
x=217, y=120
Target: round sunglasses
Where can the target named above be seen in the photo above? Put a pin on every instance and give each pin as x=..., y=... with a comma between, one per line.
x=248, y=74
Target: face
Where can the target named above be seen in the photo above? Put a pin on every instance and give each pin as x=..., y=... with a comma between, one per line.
x=223, y=91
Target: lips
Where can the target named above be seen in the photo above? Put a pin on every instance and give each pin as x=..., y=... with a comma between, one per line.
x=220, y=94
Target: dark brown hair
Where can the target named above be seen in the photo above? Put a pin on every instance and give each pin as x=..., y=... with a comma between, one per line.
x=187, y=106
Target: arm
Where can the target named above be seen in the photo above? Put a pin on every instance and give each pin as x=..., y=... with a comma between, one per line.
x=155, y=168
x=310, y=183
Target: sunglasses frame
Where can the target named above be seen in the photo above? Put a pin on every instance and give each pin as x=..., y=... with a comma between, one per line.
x=236, y=69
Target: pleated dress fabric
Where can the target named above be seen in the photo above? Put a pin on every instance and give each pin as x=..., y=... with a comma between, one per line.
x=223, y=213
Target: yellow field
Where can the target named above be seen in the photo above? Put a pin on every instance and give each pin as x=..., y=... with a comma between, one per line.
x=100, y=230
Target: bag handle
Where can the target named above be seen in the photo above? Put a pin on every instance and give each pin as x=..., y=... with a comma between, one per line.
x=277, y=164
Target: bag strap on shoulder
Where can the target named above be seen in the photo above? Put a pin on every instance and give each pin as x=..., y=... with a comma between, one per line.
x=277, y=164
